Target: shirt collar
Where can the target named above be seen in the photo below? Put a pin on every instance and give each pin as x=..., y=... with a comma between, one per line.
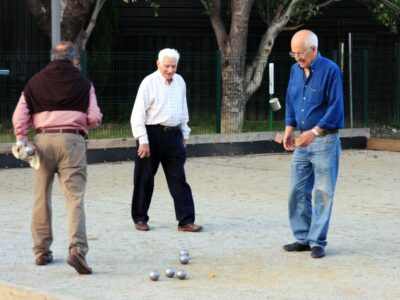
x=314, y=64
x=163, y=80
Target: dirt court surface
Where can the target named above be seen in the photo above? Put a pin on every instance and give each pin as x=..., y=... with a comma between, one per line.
x=242, y=203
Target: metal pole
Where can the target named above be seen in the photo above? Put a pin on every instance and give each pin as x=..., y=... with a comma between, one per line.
x=55, y=22
x=271, y=93
x=350, y=82
x=342, y=57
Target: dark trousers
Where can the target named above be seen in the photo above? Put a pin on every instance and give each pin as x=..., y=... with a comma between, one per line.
x=166, y=147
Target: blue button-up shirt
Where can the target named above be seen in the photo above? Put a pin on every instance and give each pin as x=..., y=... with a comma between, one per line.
x=316, y=100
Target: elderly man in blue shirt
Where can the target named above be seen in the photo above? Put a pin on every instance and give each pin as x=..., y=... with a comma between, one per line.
x=314, y=105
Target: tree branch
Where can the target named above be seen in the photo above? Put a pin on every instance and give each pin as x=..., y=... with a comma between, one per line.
x=323, y=4
x=92, y=23
x=216, y=21
x=41, y=14
x=255, y=71
x=74, y=18
x=391, y=5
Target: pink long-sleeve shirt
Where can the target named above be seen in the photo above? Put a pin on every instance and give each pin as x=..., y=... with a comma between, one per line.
x=58, y=119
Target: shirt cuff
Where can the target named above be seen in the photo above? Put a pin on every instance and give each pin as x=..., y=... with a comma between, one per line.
x=21, y=138
x=143, y=139
x=291, y=122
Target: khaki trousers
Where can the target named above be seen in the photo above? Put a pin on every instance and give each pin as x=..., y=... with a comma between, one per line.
x=64, y=154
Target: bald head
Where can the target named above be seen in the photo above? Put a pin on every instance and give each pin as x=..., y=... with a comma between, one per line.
x=304, y=47
x=305, y=38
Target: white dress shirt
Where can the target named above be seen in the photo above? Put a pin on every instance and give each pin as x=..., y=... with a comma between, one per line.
x=160, y=102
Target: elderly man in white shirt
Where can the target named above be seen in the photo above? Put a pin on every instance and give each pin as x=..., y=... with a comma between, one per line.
x=159, y=124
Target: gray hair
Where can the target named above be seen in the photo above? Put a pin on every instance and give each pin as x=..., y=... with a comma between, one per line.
x=64, y=50
x=311, y=40
x=169, y=53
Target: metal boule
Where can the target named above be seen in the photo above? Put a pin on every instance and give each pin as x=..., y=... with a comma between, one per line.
x=184, y=259
x=184, y=252
x=154, y=275
x=29, y=150
x=181, y=274
x=170, y=272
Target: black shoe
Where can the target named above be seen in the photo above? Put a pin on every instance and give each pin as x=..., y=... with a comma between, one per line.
x=296, y=247
x=317, y=252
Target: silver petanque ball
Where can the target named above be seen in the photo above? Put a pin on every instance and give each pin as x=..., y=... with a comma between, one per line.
x=184, y=259
x=184, y=252
x=154, y=275
x=29, y=150
x=170, y=272
x=181, y=274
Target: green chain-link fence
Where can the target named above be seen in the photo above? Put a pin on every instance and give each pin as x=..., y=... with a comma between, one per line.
x=116, y=77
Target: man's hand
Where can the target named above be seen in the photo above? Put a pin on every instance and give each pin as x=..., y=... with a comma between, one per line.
x=306, y=138
x=144, y=150
x=184, y=142
x=20, y=144
x=288, y=139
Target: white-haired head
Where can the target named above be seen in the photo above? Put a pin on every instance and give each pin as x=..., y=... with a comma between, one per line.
x=168, y=53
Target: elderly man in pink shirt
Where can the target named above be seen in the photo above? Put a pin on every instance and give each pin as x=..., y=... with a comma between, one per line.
x=60, y=105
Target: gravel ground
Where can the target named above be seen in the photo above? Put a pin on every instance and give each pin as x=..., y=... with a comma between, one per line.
x=242, y=203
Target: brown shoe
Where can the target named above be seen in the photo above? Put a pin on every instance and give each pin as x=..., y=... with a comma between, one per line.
x=79, y=263
x=44, y=259
x=142, y=226
x=190, y=227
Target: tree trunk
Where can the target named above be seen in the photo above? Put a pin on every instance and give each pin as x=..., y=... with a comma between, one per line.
x=233, y=49
x=74, y=18
x=41, y=14
x=233, y=94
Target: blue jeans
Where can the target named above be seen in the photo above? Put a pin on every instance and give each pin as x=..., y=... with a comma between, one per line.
x=314, y=169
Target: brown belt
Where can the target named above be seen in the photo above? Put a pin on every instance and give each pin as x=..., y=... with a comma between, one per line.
x=75, y=131
x=326, y=132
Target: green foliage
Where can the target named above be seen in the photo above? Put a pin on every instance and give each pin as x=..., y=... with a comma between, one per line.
x=386, y=12
x=153, y=4
x=304, y=10
x=209, y=7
